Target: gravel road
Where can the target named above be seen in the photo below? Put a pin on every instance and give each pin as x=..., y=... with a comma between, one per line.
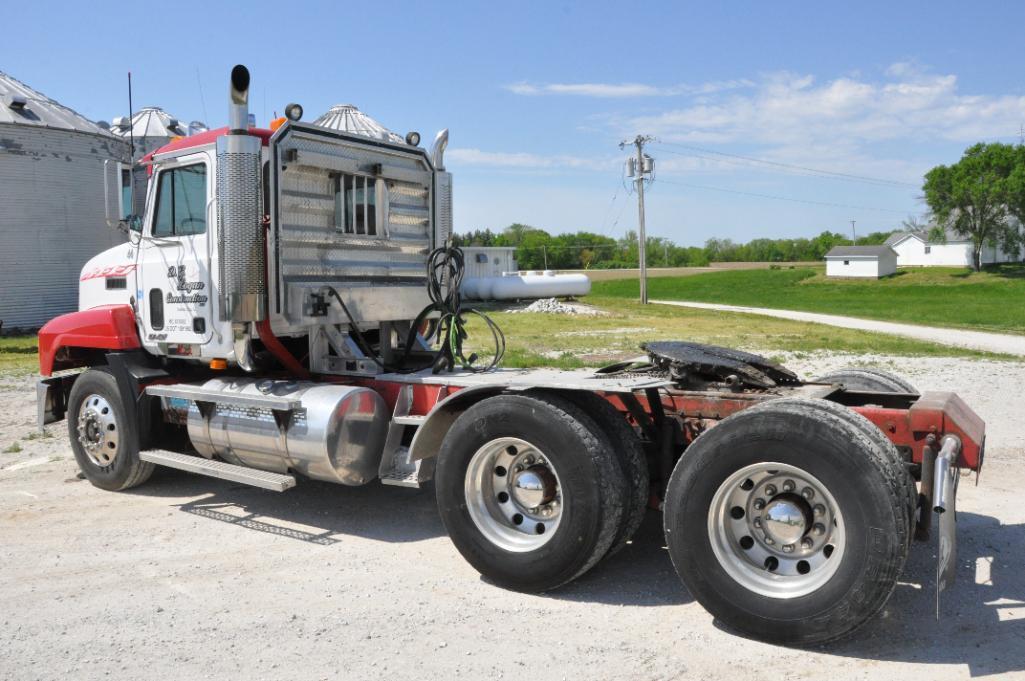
x=1000, y=343
x=193, y=578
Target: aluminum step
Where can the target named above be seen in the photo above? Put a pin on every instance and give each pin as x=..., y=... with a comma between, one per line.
x=411, y=420
x=275, y=482
x=198, y=393
x=398, y=470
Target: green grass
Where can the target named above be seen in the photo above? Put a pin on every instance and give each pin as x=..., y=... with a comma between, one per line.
x=992, y=300
x=567, y=342
x=19, y=355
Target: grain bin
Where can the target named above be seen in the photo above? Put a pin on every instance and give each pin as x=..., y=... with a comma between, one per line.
x=348, y=118
x=149, y=129
x=51, y=203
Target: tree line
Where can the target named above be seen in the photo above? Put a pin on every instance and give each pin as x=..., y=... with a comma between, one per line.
x=537, y=249
x=980, y=198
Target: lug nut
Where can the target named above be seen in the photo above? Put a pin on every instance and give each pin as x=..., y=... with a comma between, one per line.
x=759, y=504
x=788, y=548
x=819, y=529
x=788, y=486
x=819, y=509
x=757, y=522
x=807, y=542
x=769, y=541
x=770, y=490
x=808, y=493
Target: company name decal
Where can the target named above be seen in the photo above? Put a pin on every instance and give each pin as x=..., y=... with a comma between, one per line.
x=109, y=271
x=185, y=288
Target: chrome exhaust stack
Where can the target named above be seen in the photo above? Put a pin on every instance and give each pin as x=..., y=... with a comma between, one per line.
x=241, y=247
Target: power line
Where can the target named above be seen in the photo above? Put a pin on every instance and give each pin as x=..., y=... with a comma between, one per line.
x=791, y=166
x=782, y=198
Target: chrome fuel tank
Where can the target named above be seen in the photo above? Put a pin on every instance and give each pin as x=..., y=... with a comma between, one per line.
x=337, y=434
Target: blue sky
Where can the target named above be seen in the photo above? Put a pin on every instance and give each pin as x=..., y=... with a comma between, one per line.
x=538, y=94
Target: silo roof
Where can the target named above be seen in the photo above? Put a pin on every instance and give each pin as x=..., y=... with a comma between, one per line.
x=22, y=105
x=151, y=121
x=348, y=118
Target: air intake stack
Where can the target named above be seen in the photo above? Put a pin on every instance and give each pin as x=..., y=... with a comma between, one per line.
x=242, y=254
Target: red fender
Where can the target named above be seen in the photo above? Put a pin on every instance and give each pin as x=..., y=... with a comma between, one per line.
x=108, y=327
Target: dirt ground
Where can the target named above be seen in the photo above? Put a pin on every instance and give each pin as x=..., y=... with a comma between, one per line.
x=193, y=578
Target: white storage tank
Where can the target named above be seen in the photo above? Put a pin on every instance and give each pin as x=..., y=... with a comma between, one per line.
x=546, y=284
x=52, y=217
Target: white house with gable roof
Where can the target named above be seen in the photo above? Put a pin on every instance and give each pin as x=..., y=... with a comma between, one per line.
x=914, y=249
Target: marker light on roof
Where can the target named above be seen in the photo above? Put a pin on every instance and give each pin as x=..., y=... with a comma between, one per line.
x=293, y=112
x=413, y=139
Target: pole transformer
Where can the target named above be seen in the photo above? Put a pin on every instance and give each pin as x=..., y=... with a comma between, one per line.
x=639, y=167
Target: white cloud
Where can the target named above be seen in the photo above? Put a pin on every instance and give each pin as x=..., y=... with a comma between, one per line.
x=618, y=90
x=789, y=109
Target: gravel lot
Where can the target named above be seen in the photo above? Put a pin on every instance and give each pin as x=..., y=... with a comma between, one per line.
x=191, y=578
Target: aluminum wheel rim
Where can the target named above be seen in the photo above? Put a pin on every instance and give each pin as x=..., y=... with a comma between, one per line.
x=513, y=494
x=776, y=530
x=98, y=431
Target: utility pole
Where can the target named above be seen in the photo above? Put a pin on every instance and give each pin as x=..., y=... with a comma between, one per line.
x=639, y=167
x=854, y=236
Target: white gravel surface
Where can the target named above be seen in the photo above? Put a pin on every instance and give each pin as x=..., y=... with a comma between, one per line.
x=193, y=578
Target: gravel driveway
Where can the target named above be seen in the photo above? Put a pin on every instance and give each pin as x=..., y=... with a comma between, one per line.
x=1000, y=343
x=191, y=578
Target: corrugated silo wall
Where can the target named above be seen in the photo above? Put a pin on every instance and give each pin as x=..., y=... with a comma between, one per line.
x=51, y=219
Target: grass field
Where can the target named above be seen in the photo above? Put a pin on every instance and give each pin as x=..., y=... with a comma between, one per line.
x=993, y=300
x=575, y=341
x=18, y=355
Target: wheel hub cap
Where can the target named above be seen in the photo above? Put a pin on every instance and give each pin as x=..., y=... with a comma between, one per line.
x=98, y=431
x=513, y=494
x=784, y=521
x=776, y=530
x=533, y=487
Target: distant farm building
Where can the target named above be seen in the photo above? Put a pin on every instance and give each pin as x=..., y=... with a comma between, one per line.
x=863, y=262
x=489, y=261
x=914, y=249
x=52, y=212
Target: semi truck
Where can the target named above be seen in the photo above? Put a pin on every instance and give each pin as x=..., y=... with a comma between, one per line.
x=287, y=308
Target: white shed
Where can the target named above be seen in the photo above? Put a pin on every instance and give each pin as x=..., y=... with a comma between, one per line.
x=489, y=261
x=914, y=249
x=866, y=262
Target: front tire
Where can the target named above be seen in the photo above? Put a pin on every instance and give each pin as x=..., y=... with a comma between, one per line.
x=104, y=440
x=788, y=523
x=528, y=490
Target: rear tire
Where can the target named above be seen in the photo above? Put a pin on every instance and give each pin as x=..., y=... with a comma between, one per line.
x=626, y=445
x=488, y=508
x=874, y=380
x=902, y=475
x=739, y=545
x=104, y=440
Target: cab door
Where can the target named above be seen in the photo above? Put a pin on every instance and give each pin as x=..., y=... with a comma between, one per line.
x=174, y=294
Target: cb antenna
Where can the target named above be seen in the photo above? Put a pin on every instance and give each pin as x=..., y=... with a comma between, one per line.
x=131, y=123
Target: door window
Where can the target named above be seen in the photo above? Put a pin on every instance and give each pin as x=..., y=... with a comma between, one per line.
x=181, y=201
